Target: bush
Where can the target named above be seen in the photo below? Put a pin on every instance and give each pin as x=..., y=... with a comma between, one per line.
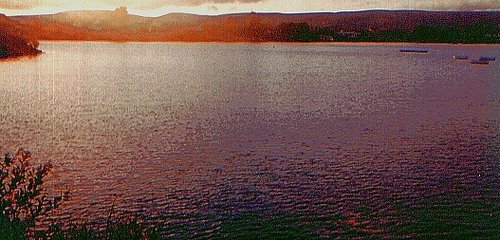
x=22, y=196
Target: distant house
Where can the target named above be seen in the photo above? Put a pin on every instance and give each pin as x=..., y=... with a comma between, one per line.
x=327, y=38
x=349, y=34
x=497, y=36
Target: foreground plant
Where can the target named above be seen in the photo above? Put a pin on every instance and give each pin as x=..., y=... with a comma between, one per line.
x=23, y=199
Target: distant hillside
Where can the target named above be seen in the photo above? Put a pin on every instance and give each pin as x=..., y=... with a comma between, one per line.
x=413, y=26
x=15, y=40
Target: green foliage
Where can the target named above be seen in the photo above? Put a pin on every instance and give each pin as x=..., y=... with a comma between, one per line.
x=440, y=218
x=22, y=196
x=126, y=230
x=258, y=226
x=477, y=33
x=296, y=32
x=16, y=46
x=23, y=201
x=12, y=229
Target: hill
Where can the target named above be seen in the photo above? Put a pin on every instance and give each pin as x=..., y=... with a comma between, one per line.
x=378, y=25
x=15, y=40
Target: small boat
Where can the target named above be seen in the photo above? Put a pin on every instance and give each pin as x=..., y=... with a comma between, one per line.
x=479, y=61
x=487, y=58
x=413, y=50
x=460, y=57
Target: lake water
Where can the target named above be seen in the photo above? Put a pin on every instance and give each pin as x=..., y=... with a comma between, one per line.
x=229, y=140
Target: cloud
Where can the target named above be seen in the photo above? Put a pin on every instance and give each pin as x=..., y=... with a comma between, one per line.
x=144, y=4
x=298, y=5
x=456, y=4
x=20, y=4
x=213, y=8
x=153, y=4
x=475, y=5
x=418, y=4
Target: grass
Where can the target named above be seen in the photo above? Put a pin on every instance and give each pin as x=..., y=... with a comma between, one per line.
x=441, y=220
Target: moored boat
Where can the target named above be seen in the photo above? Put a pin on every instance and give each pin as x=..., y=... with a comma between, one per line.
x=487, y=58
x=479, y=61
x=460, y=57
x=413, y=50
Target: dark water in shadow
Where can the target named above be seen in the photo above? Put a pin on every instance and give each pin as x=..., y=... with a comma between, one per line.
x=216, y=140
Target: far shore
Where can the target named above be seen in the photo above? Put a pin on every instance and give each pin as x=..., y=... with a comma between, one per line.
x=274, y=42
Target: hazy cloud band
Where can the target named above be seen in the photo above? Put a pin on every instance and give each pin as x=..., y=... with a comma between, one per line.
x=331, y=5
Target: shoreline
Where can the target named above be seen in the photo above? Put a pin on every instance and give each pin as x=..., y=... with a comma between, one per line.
x=271, y=43
x=19, y=57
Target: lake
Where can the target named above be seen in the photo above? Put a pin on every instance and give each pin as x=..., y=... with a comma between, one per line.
x=208, y=140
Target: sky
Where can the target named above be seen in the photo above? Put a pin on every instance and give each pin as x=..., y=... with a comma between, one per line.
x=211, y=7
